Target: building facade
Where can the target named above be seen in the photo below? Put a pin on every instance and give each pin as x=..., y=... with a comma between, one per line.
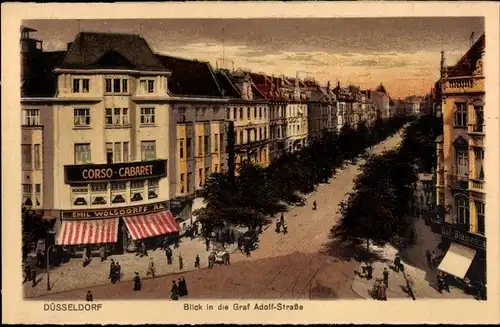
x=248, y=109
x=460, y=170
x=107, y=138
x=322, y=110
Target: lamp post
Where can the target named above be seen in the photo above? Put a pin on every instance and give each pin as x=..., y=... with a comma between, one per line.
x=47, y=254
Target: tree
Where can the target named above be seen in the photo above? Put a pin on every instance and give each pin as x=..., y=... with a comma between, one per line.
x=33, y=227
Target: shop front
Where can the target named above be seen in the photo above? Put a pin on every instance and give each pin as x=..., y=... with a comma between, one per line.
x=465, y=257
x=116, y=229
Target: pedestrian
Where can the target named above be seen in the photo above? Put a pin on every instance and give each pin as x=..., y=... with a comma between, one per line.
x=386, y=277
x=429, y=258
x=369, y=271
x=383, y=292
x=176, y=242
x=247, y=249
x=181, y=262
x=207, y=243
x=197, y=261
x=210, y=260
x=397, y=263
x=102, y=253
x=33, y=276
x=282, y=218
x=278, y=227
x=111, y=268
x=183, y=287
x=144, y=249
x=169, y=254
x=434, y=259
x=151, y=268
x=314, y=205
x=39, y=258
x=137, y=282
x=27, y=273
x=118, y=272
x=90, y=298
x=174, y=291
x=226, y=258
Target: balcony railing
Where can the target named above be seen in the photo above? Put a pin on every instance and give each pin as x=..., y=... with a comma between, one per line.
x=457, y=182
x=462, y=83
x=476, y=184
x=476, y=128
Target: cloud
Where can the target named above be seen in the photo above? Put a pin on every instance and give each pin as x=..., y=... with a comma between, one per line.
x=403, y=73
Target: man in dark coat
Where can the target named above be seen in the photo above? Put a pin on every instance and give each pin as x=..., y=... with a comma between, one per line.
x=33, y=276
x=169, y=255
x=197, y=261
x=369, y=271
x=118, y=272
x=181, y=262
x=429, y=258
x=111, y=268
x=137, y=282
x=386, y=277
x=174, y=291
x=39, y=259
x=182, y=287
x=397, y=263
x=90, y=298
x=207, y=244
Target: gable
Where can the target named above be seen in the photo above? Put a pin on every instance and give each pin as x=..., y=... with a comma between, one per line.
x=460, y=142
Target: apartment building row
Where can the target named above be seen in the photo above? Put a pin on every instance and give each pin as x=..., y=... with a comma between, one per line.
x=119, y=141
x=459, y=100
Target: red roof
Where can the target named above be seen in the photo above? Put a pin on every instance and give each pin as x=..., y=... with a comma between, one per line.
x=466, y=65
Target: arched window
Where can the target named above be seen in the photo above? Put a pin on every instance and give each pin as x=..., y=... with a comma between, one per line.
x=462, y=210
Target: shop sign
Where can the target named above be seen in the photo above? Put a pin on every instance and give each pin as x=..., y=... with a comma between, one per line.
x=475, y=241
x=115, y=172
x=115, y=212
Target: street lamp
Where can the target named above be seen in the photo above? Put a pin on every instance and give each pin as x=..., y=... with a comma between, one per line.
x=48, y=266
x=47, y=254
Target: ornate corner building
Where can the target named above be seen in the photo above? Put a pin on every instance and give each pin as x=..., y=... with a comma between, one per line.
x=460, y=175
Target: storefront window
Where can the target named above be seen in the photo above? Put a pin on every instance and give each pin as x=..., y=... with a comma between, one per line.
x=136, y=191
x=118, y=190
x=153, y=188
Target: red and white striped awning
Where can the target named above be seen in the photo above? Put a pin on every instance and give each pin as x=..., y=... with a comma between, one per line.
x=95, y=231
x=153, y=224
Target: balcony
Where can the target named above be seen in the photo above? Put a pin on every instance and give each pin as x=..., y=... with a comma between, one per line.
x=476, y=184
x=457, y=182
x=462, y=83
x=476, y=129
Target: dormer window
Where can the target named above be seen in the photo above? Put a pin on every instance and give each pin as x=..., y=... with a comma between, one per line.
x=147, y=86
x=81, y=85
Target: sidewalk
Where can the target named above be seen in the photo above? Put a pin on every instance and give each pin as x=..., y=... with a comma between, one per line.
x=424, y=281
x=72, y=275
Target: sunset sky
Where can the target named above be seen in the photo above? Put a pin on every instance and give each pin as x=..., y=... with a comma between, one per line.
x=402, y=53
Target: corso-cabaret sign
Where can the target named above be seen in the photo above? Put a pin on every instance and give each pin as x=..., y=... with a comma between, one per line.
x=114, y=172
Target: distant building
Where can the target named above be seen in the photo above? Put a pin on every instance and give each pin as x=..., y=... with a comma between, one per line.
x=381, y=100
x=322, y=110
x=249, y=110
